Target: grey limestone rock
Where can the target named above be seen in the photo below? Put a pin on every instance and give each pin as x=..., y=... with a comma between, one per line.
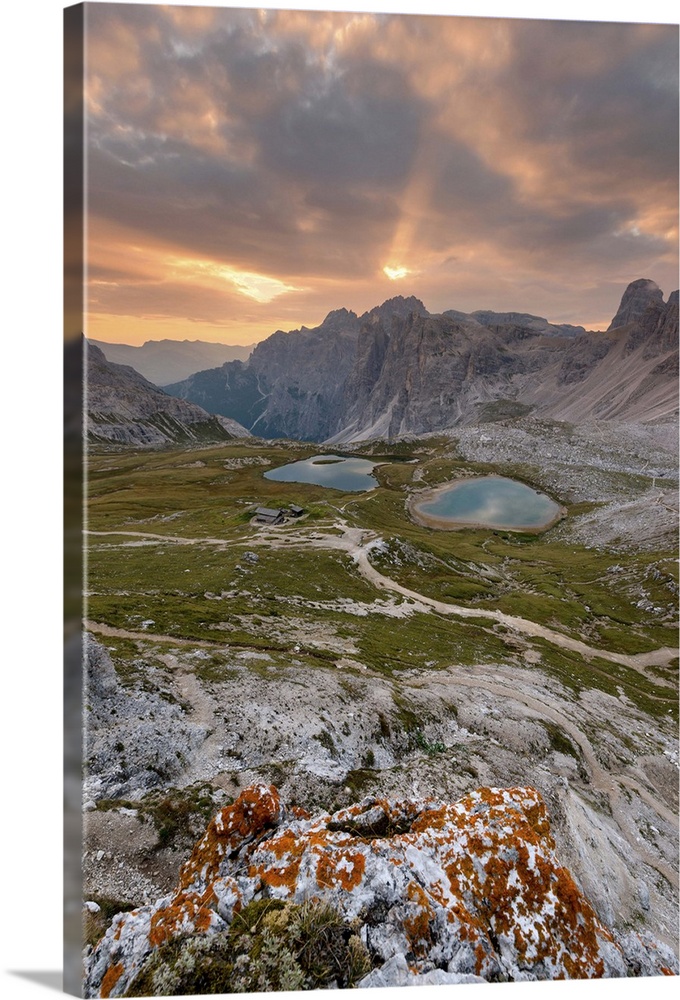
x=640, y=296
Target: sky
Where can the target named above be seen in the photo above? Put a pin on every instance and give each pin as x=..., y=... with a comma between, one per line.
x=251, y=170
x=32, y=734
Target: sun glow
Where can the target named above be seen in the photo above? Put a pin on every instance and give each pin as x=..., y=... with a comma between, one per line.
x=394, y=273
x=259, y=287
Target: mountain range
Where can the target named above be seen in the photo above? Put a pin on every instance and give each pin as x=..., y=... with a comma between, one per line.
x=125, y=408
x=400, y=370
x=165, y=361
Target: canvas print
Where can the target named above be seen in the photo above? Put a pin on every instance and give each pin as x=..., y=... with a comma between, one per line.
x=381, y=491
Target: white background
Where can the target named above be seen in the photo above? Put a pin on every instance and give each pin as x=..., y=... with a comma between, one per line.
x=30, y=571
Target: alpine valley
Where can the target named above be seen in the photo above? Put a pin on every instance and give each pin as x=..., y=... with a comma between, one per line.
x=328, y=744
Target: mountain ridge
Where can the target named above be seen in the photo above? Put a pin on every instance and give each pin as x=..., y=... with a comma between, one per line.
x=399, y=369
x=165, y=361
x=125, y=408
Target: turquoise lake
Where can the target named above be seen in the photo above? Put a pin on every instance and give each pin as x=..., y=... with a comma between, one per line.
x=490, y=501
x=351, y=475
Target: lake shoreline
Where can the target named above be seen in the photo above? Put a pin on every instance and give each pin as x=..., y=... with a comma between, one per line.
x=346, y=474
x=441, y=523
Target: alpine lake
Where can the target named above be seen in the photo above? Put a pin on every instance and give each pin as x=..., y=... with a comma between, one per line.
x=349, y=474
x=481, y=501
x=488, y=502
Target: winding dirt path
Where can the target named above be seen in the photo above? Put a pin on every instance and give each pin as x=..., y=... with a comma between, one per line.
x=358, y=544
x=202, y=713
x=352, y=541
x=175, y=539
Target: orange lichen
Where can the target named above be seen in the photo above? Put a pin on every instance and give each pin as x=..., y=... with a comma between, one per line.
x=255, y=810
x=481, y=871
x=341, y=868
x=417, y=921
x=111, y=977
x=480, y=957
x=282, y=877
x=299, y=813
x=185, y=912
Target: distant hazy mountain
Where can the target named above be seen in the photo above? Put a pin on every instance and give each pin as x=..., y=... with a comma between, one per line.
x=165, y=361
x=400, y=370
x=124, y=408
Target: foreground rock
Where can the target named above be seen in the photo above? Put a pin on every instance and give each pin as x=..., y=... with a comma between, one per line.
x=422, y=891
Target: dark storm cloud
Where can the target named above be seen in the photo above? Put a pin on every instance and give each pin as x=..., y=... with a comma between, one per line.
x=610, y=91
x=318, y=148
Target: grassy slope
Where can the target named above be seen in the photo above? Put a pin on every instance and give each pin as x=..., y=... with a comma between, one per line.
x=586, y=593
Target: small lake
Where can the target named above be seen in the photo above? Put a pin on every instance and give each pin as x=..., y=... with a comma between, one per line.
x=351, y=475
x=489, y=502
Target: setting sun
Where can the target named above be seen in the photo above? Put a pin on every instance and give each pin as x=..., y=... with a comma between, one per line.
x=394, y=273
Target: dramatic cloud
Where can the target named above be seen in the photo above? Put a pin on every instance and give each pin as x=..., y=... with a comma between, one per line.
x=251, y=170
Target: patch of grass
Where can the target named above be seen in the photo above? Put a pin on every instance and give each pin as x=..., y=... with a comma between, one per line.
x=177, y=814
x=214, y=668
x=501, y=409
x=359, y=780
x=422, y=743
x=271, y=945
x=559, y=741
x=409, y=721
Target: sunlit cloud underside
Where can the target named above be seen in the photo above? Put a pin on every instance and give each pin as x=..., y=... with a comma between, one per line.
x=269, y=163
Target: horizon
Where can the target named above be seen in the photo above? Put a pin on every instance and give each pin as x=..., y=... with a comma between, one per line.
x=248, y=170
x=316, y=325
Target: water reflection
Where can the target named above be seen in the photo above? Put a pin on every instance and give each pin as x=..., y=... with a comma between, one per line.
x=349, y=474
x=491, y=501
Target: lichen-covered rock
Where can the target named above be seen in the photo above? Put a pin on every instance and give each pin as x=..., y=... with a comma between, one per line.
x=440, y=893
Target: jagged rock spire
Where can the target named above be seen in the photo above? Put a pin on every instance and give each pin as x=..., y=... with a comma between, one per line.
x=635, y=302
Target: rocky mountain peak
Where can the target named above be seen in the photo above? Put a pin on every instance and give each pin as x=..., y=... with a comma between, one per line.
x=340, y=319
x=400, y=306
x=636, y=300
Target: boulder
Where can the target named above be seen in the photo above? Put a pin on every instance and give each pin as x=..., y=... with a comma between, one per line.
x=434, y=892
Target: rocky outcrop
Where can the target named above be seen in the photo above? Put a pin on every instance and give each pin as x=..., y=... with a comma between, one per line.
x=430, y=891
x=640, y=296
x=124, y=408
x=292, y=385
x=518, y=326
x=135, y=739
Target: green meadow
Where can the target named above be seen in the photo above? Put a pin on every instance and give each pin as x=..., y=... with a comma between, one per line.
x=176, y=563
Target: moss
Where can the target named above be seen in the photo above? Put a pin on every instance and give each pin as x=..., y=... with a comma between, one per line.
x=326, y=741
x=559, y=741
x=271, y=945
x=359, y=780
x=409, y=720
x=383, y=727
